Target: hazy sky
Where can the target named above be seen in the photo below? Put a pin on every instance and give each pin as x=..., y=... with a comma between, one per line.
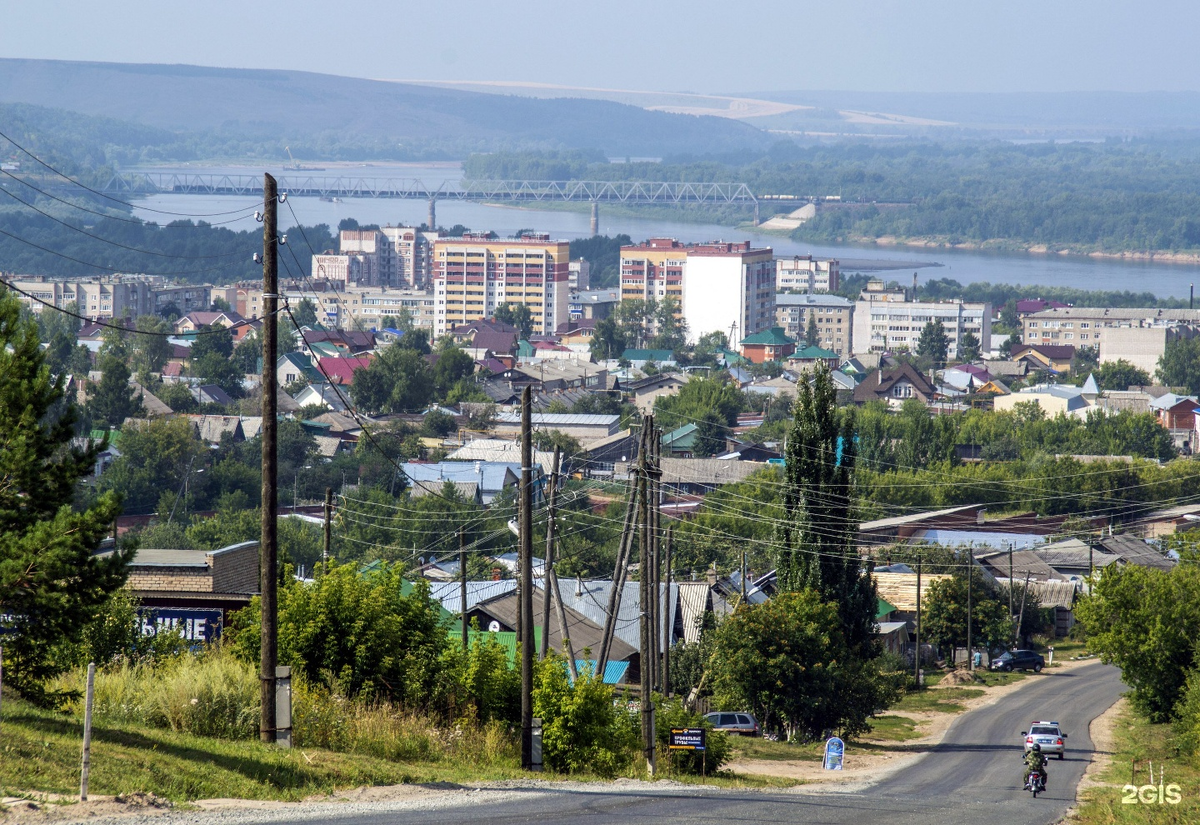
x=676, y=45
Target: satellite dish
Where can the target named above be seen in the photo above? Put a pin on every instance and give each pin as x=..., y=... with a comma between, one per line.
x=493, y=626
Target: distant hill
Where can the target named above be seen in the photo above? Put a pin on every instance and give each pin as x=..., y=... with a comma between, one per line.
x=318, y=110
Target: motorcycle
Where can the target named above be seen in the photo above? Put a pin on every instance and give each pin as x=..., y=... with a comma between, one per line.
x=1036, y=783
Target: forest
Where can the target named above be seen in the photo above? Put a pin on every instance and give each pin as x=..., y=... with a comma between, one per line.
x=1135, y=196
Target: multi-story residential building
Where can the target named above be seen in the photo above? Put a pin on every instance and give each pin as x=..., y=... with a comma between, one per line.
x=351, y=269
x=595, y=304
x=475, y=274
x=1136, y=335
x=804, y=273
x=342, y=307
x=834, y=316
x=721, y=287
x=395, y=256
x=112, y=296
x=407, y=256
x=580, y=275
x=886, y=325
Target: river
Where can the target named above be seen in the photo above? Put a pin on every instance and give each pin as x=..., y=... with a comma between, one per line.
x=1161, y=279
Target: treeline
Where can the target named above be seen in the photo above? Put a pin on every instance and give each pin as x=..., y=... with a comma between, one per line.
x=1129, y=196
x=79, y=244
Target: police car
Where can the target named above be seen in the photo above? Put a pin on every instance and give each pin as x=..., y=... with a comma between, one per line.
x=1048, y=735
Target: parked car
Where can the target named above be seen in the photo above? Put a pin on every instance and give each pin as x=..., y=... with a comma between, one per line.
x=1047, y=735
x=1019, y=660
x=743, y=723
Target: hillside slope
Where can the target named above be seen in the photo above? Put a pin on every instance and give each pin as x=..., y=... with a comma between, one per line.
x=278, y=105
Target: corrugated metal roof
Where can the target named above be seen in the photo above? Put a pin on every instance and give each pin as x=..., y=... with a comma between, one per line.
x=979, y=539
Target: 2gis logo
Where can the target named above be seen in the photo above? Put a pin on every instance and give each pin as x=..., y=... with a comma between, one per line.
x=1159, y=794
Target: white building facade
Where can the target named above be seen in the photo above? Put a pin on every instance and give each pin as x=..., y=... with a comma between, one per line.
x=885, y=326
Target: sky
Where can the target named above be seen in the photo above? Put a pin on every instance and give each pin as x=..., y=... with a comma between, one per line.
x=704, y=46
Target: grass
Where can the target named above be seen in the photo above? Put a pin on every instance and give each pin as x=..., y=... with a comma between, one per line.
x=942, y=700
x=1139, y=741
x=889, y=728
x=39, y=750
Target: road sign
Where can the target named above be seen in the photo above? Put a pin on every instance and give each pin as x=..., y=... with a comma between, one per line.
x=687, y=739
x=835, y=751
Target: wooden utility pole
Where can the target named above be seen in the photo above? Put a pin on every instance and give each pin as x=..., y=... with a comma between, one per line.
x=743, y=577
x=328, y=538
x=621, y=571
x=525, y=565
x=548, y=565
x=668, y=623
x=1021, y=617
x=652, y=543
x=462, y=584
x=563, y=630
x=645, y=626
x=269, y=544
x=1010, y=580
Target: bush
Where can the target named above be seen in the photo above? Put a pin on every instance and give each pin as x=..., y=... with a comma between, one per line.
x=670, y=713
x=582, y=731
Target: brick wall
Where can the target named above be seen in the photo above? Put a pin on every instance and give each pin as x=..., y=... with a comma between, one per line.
x=165, y=577
x=235, y=570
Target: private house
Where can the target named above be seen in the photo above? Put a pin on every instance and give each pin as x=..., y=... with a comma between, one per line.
x=583, y=426
x=1052, y=357
x=341, y=371
x=336, y=342
x=492, y=478
x=211, y=394
x=576, y=332
x=639, y=357
x=193, y=591
x=487, y=333
x=696, y=476
x=194, y=321
x=895, y=386
x=1167, y=521
x=1177, y=414
x=321, y=395
x=212, y=428
x=768, y=345
x=1054, y=399
x=902, y=528
x=1132, y=550
x=680, y=442
x=601, y=456
x=294, y=367
x=646, y=390
x=810, y=357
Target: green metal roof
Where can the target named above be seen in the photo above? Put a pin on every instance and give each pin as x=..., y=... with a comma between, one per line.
x=773, y=337
x=883, y=607
x=682, y=438
x=648, y=355
x=814, y=353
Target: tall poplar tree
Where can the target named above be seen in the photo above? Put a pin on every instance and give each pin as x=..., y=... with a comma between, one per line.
x=820, y=527
x=51, y=584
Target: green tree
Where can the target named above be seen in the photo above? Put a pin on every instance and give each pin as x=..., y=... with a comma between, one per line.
x=968, y=347
x=452, y=365
x=1144, y=621
x=944, y=619
x=713, y=399
x=211, y=360
x=1179, y=365
x=934, y=344
x=789, y=661
x=812, y=336
x=398, y=381
x=818, y=537
x=633, y=317
x=1120, y=375
x=608, y=340
x=670, y=329
x=518, y=315
x=305, y=313
x=112, y=399
x=582, y=728
x=51, y=582
x=151, y=351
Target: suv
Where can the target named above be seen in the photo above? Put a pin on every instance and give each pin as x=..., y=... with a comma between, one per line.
x=1048, y=735
x=1019, y=660
x=743, y=723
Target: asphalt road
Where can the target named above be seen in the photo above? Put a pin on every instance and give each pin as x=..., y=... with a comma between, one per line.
x=973, y=777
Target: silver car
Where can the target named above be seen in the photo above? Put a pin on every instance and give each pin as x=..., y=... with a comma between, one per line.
x=743, y=723
x=1048, y=735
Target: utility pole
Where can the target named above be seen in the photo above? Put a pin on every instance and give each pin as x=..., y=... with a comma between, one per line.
x=544, y=647
x=525, y=564
x=328, y=538
x=668, y=623
x=462, y=584
x=269, y=544
x=652, y=525
x=743, y=577
x=563, y=630
x=645, y=626
x=970, y=581
x=917, y=657
x=1010, y=580
x=1021, y=618
x=621, y=571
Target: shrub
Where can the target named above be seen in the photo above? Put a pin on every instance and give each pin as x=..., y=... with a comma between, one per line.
x=581, y=729
x=670, y=713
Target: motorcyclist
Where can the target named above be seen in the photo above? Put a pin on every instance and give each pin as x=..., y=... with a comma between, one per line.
x=1035, y=760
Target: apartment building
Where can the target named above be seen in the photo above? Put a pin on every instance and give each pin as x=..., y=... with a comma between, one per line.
x=342, y=307
x=580, y=277
x=833, y=313
x=111, y=296
x=887, y=325
x=1086, y=326
x=720, y=286
x=407, y=256
x=804, y=273
x=475, y=274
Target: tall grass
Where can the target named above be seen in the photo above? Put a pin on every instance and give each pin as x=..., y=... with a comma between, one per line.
x=215, y=694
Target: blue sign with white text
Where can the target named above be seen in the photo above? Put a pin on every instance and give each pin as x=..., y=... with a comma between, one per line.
x=835, y=752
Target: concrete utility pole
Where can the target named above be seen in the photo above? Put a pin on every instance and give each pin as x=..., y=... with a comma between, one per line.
x=552, y=499
x=621, y=571
x=525, y=565
x=917, y=657
x=269, y=544
x=970, y=581
x=1010, y=580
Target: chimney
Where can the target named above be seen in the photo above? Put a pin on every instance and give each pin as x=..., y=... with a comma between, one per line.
x=914, y=294
x=578, y=586
x=712, y=574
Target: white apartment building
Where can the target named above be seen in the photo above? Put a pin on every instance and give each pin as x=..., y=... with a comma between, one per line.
x=407, y=256
x=112, y=296
x=885, y=325
x=721, y=287
x=353, y=307
x=804, y=273
x=1136, y=335
x=393, y=256
x=580, y=275
x=834, y=316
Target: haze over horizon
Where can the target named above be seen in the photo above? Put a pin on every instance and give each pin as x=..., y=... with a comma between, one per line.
x=701, y=46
